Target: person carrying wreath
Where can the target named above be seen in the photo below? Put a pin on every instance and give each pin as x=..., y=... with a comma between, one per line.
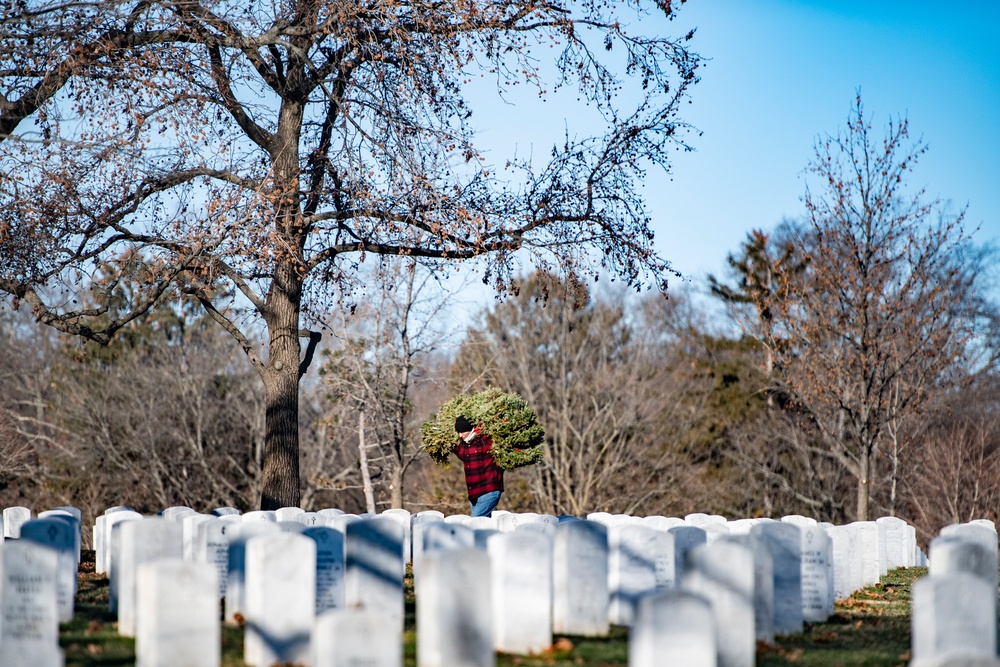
x=483, y=478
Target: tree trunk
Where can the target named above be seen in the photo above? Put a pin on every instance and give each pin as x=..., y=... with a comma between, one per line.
x=396, y=487
x=894, y=481
x=864, y=484
x=280, y=464
x=280, y=460
x=366, y=477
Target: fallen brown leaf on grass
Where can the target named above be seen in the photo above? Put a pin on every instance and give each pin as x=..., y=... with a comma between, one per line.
x=562, y=645
x=792, y=654
x=826, y=637
x=854, y=603
x=94, y=627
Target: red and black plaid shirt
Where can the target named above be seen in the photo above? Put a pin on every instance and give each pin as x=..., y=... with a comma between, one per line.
x=481, y=472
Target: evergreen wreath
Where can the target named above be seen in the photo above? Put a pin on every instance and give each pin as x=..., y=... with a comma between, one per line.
x=506, y=418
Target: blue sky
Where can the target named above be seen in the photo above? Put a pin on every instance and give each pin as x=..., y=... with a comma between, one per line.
x=783, y=73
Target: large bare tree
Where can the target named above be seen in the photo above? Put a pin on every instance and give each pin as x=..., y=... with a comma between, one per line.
x=252, y=154
x=882, y=306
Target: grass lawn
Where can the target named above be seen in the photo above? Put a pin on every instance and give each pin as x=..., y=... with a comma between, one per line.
x=872, y=628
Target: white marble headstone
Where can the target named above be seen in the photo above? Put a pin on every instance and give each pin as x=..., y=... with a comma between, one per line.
x=723, y=573
x=29, y=614
x=870, y=543
x=784, y=542
x=177, y=615
x=111, y=520
x=329, y=567
x=663, y=523
x=481, y=536
x=13, y=518
x=118, y=508
x=673, y=628
x=685, y=539
x=98, y=533
x=580, y=579
x=238, y=534
x=212, y=547
x=697, y=518
x=840, y=549
x=404, y=518
x=189, y=526
x=143, y=541
x=226, y=511
x=954, y=554
x=953, y=615
x=374, y=567
x=521, y=570
x=435, y=536
x=741, y=526
x=506, y=523
x=288, y=513
x=177, y=512
x=352, y=638
x=981, y=534
x=418, y=525
x=342, y=521
x=633, y=554
x=763, y=585
x=798, y=520
x=896, y=541
x=547, y=529
x=817, y=574
x=58, y=536
x=75, y=511
x=454, y=603
x=482, y=523
x=599, y=517
x=71, y=516
x=715, y=531
x=280, y=599
x=311, y=519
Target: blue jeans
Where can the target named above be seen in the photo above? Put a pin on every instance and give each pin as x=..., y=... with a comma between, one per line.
x=485, y=504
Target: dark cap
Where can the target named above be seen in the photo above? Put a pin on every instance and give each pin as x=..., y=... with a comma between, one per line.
x=462, y=424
